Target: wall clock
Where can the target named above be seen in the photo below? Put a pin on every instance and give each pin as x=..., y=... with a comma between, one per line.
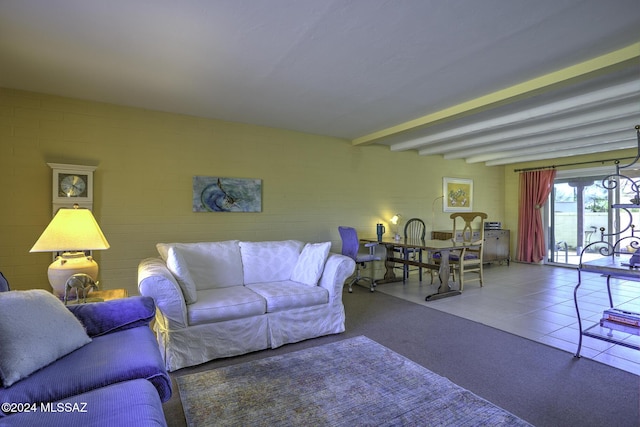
x=72, y=184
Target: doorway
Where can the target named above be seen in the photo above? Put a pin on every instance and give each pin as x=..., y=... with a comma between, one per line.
x=578, y=210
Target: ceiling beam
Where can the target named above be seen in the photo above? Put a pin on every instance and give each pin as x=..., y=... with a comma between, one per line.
x=554, y=129
x=619, y=93
x=573, y=130
x=519, y=91
x=574, y=144
x=592, y=149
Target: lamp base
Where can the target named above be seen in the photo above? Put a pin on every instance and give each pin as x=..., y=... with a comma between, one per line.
x=68, y=264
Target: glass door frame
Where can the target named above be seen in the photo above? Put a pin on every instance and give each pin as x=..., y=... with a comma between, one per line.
x=556, y=254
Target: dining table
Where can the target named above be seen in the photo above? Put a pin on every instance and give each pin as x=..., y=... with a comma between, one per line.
x=447, y=288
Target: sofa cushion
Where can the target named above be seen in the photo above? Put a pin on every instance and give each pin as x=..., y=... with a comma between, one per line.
x=285, y=295
x=129, y=403
x=108, y=359
x=35, y=330
x=310, y=264
x=178, y=267
x=217, y=305
x=269, y=261
x=100, y=318
x=210, y=264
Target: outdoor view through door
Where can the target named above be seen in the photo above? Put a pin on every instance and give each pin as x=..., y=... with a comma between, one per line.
x=579, y=206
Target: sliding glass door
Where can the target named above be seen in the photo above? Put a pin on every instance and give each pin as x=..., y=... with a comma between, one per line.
x=578, y=208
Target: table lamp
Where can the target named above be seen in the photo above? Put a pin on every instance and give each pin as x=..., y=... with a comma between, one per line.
x=394, y=220
x=71, y=231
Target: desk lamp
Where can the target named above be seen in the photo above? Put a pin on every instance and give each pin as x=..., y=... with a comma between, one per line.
x=71, y=231
x=394, y=220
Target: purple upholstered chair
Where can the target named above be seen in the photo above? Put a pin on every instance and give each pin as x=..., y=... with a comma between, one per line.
x=351, y=247
x=4, y=283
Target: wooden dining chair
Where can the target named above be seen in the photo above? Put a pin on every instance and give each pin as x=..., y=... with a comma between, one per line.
x=414, y=229
x=468, y=259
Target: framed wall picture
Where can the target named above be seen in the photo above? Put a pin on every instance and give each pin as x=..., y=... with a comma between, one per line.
x=458, y=195
x=218, y=194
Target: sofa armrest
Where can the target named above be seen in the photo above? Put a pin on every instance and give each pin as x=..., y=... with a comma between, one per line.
x=101, y=318
x=156, y=281
x=336, y=270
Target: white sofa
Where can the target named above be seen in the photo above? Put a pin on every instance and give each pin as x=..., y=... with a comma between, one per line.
x=221, y=299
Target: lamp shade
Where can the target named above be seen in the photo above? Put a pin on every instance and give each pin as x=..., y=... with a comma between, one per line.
x=71, y=230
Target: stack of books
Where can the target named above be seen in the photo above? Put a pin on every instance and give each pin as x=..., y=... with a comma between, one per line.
x=621, y=320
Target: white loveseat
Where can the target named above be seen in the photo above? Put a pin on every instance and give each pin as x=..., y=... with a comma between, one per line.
x=221, y=299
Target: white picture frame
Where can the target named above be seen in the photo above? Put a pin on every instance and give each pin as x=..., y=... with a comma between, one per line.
x=458, y=195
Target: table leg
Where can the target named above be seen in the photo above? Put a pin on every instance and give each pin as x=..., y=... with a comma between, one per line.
x=405, y=267
x=444, y=290
x=389, y=275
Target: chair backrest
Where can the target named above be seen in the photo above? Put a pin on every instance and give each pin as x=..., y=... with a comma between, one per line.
x=414, y=229
x=4, y=283
x=462, y=226
x=350, y=242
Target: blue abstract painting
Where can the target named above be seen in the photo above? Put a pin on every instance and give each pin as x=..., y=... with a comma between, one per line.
x=217, y=194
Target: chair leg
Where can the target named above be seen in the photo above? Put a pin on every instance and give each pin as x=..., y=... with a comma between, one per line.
x=432, y=260
x=405, y=267
x=355, y=279
x=431, y=271
x=351, y=282
x=372, y=286
x=358, y=278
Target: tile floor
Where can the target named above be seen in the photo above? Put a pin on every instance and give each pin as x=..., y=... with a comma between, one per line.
x=536, y=302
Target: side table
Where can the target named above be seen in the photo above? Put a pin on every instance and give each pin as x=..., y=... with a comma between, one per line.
x=103, y=295
x=109, y=294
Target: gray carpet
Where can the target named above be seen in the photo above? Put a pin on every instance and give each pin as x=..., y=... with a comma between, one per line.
x=351, y=382
x=540, y=384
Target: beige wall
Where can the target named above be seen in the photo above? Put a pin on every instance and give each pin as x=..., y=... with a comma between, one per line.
x=145, y=163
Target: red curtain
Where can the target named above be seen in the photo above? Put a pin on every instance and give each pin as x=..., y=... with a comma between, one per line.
x=535, y=187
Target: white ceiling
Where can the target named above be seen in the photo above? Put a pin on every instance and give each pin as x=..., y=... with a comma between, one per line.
x=491, y=81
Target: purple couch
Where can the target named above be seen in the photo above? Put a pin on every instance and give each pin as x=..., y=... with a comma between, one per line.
x=117, y=379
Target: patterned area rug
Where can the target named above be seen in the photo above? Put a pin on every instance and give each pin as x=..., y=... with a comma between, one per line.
x=347, y=383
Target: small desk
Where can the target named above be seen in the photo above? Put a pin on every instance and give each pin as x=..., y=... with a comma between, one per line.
x=442, y=246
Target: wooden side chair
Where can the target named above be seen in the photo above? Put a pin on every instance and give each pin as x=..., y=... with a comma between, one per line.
x=414, y=229
x=468, y=259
